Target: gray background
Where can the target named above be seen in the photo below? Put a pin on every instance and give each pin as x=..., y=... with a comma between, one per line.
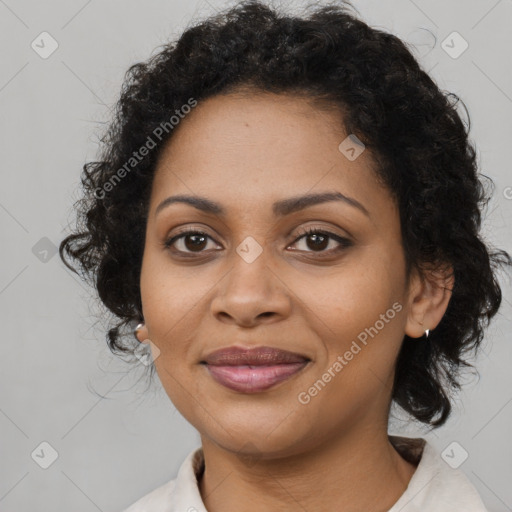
x=59, y=383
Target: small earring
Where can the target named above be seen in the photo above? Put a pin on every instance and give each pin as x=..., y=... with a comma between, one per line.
x=427, y=332
x=136, y=331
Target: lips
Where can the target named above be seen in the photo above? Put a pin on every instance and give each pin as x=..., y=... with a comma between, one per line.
x=255, y=369
x=257, y=356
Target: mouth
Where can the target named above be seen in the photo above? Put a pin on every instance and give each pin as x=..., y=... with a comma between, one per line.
x=253, y=370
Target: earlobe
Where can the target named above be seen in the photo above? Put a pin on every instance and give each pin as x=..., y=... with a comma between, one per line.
x=141, y=332
x=429, y=297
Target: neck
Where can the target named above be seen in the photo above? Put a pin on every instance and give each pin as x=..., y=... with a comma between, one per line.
x=362, y=472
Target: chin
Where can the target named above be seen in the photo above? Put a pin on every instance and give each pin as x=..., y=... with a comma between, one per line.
x=266, y=434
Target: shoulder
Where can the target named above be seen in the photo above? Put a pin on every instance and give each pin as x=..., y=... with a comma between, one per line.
x=158, y=500
x=437, y=487
x=179, y=493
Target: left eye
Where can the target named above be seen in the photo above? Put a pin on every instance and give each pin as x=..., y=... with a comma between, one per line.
x=318, y=241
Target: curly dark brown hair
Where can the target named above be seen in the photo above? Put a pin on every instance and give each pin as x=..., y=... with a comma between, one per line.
x=417, y=138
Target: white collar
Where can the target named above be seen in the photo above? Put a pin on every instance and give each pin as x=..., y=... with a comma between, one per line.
x=434, y=486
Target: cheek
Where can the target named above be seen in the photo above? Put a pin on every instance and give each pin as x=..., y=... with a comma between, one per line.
x=352, y=298
x=169, y=300
x=358, y=315
x=171, y=304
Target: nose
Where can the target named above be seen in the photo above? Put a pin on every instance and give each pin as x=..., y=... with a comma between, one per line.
x=251, y=294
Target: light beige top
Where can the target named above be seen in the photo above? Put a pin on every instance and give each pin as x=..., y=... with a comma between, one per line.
x=434, y=486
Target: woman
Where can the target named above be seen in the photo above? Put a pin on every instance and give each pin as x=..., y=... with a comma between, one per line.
x=289, y=210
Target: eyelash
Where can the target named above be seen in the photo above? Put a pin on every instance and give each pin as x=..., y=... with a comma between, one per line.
x=344, y=242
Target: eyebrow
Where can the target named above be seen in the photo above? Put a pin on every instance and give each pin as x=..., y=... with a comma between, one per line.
x=280, y=208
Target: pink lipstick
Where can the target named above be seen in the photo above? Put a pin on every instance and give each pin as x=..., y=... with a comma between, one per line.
x=253, y=370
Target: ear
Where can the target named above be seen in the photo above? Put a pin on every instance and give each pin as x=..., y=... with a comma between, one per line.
x=142, y=333
x=429, y=294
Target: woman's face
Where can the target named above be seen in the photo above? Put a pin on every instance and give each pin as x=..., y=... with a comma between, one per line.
x=255, y=278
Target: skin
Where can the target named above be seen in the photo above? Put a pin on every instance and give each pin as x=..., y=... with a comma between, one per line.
x=268, y=451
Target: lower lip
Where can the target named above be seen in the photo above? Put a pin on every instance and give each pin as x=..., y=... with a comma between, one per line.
x=253, y=379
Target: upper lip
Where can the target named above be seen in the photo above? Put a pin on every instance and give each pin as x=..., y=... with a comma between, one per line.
x=257, y=356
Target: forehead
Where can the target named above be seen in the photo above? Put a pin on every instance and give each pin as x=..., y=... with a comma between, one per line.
x=260, y=147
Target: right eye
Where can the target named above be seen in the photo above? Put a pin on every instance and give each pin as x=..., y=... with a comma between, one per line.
x=190, y=241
